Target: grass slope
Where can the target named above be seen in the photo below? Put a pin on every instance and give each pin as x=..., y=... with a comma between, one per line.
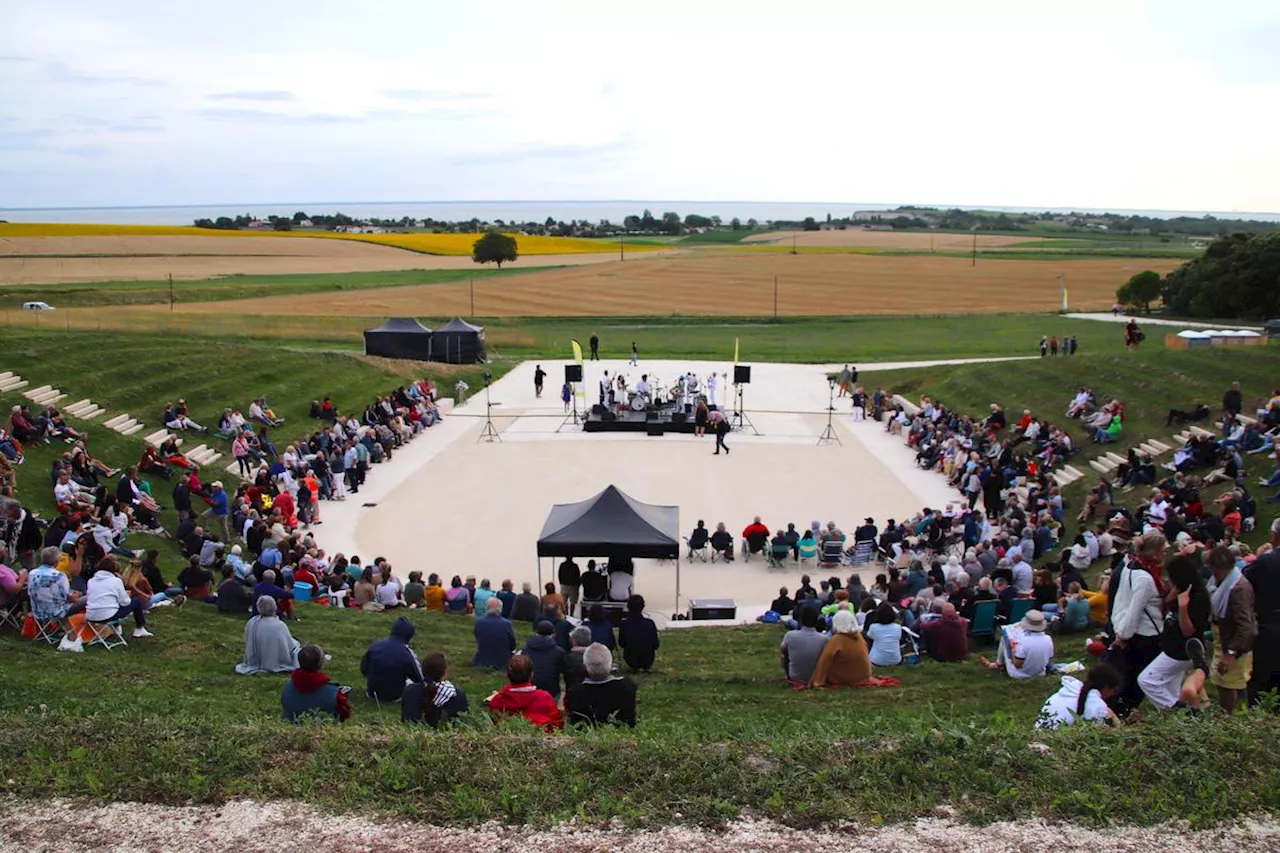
x=718, y=736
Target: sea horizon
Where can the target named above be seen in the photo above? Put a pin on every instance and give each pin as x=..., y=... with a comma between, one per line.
x=515, y=210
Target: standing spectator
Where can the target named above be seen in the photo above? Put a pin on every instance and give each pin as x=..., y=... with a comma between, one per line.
x=1232, y=401
x=595, y=347
x=1264, y=577
x=801, y=649
x=495, y=637
x=1137, y=616
x=219, y=509
x=638, y=636
x=1235, y=628
x=539, y=375
x=570, y=577
x=721, y=426
x=1180, y=647
x=602, y=698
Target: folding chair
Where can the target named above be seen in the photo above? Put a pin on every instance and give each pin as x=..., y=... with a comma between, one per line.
x=861, y=553
x=50, y=631
x=754, y=544
x=109, y=635
x=983, y=623
x=698, y=546
x=832, y=554
x=808, y=550
x=778, y=555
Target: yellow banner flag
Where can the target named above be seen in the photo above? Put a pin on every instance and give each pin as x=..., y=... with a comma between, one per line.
x=577, y=351
x=735, y=352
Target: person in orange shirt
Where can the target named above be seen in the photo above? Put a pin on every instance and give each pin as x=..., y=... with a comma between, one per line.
x=553, y=597
x=434, y=594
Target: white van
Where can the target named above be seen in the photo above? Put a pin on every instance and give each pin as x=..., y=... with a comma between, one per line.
x=36, y=306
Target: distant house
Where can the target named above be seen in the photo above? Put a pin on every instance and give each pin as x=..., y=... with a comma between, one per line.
x=260, y=224
x=877, y=226
x=306, y=223
x=868, y=215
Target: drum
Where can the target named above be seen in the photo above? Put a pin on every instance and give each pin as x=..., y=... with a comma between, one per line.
x=637, y=403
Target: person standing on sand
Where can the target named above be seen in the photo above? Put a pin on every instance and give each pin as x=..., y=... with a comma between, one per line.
x=595, y=348
x=538, y=376
x=635, y=355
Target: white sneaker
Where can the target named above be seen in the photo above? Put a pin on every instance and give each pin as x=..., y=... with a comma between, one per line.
x=142, y=632
x=70, y=645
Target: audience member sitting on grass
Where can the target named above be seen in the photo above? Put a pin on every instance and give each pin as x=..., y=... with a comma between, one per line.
x=884, y=635
x=601, y=628
x=234, y=596
x=844, y=660
x=268, y=645
x=495, y=637
x=1077, y=700
x=259, y=412
x=946, y=638
x=309, y=693
x=1026, y=651
x=178, y=419
x=196, y=581
x=458, y=598
x=547, y=658
x=801, y=648
x=602, y=698
x=25, y=429
x=574, y=669
x=389, y=663
x=520, y=698
x=283, y=597
x=1075, y=611
x=526, y=606
x=414, y=591
x=435, y=700
x=638, y=636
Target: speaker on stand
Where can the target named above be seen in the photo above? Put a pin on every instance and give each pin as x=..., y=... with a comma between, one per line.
x=573, y=377
x=740, y=421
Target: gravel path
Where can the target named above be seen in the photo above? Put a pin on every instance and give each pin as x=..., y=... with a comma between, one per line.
x=248, y=827
x=1108, y=317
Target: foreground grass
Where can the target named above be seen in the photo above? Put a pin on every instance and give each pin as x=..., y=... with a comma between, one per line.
x=102, y=293
x=719, y=736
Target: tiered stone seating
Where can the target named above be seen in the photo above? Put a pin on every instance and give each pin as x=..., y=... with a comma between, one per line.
x=45, y=395
x=203, y=455
x=124, y=424
x=85, y=410
x=10, y=381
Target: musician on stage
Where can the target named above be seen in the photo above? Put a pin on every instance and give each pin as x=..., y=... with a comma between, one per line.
x=712, y=384
x=642, y=387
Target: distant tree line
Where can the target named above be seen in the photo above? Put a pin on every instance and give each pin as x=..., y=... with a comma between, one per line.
x=1238, y=276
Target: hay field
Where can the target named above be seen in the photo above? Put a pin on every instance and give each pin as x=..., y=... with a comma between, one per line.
x=49, y=260
x=727, y=285
x=914, y=241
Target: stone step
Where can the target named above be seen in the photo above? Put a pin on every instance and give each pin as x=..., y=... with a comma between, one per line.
x=1160, y=445
x=1115, y=457
x=14, y=384
x=1106, y=463
x=1149, y=449
x=1246, y=420
x=209, y=460
x=90, y=413
x=1202, y=432
x=1099, y=466
x=158, y=437
x=233, y=469
x=6, y=375
x=36, y=392
x=74, y=408
x=1062, y=478
x=49, y=398
x=1183, y=437
x=115, y=421
x=1074, y=472
x=136, y=428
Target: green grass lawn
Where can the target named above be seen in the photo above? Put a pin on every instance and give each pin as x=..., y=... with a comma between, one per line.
x=92, y=294
x=166, y=720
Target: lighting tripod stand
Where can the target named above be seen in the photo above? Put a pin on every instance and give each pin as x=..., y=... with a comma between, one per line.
x=490, y=432
x=829, y=434
x=740, y=421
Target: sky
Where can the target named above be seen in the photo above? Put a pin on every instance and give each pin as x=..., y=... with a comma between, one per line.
x=1121, y=104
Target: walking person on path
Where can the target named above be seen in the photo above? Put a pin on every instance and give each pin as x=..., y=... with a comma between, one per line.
x=538, y=375
x=635, y=355
x=721, y=425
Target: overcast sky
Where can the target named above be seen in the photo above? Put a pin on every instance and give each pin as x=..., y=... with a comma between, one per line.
x=1121, y=104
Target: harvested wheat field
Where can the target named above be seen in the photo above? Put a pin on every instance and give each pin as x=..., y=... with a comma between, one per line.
x=46, y=260
x=858, y=238
x=738, y=285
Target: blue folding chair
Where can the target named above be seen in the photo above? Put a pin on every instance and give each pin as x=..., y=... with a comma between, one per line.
x=983, y=622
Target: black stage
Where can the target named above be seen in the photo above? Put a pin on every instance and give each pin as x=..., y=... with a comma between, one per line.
x=655, y=421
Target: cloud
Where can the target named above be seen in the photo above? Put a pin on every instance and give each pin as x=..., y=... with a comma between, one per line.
x=430, y=95
x=266, y=95
x=250, y=115
x=14, y=58
x=25, y=140
x=89, y=152
x=60, y=72
x=434, y=114
x=539, y=151
x=134, y=127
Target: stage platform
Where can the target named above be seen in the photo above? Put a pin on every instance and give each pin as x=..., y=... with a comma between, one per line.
x=631, y=421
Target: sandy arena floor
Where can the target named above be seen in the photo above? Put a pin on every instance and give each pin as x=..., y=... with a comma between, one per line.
x=450, y=504
x=250, y=827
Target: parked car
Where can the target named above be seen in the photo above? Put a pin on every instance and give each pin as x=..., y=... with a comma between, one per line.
x=36, y=306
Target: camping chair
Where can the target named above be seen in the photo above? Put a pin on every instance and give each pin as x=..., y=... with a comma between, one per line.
x=11, y=614
x=808, y=550
x=51, y=631
x=778, y=555
x=1019, y=610
x=832, y=553
x=861, y=553
x=109, y=635
x=910, y=646
x=983, y=623
x=698, y=544
x=722, y=556
x=754, y=544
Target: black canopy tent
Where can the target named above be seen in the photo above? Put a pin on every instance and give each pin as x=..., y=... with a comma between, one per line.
x=612, y=524
x=399, y=337
x=458, y=342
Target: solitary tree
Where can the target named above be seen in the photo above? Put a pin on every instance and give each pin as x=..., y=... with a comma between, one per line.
x=1142, y=289
x=495, y=247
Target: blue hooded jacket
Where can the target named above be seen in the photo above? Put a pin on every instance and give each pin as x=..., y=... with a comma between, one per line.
x=389, y=663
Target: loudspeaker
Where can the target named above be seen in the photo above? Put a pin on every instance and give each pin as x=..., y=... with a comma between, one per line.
x=573, y=373
x=678, y=417
x=702, y=609
x=598, y=409
x=650, y=416
x=741, y=374
x=653, y=427
x=608, y=416
x=688, y=409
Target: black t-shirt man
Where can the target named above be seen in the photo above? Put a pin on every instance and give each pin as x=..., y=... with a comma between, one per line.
x=538, y=375
x=1172, y=641
x=595, y=586
x=570, y=574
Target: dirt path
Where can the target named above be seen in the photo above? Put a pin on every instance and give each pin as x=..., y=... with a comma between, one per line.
x=248, y=827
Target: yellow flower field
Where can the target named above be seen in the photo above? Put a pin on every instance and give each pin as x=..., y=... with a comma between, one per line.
x=432, y=244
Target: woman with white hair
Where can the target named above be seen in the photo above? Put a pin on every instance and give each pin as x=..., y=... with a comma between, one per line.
x=845, y=660
x=268, y=645
x=602, y=698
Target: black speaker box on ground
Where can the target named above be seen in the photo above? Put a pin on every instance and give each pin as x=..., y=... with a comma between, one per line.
x=678, y=417
x=741, y=374
x=653, y=428
x=573, y=373
x=702, y=609
x=598, y=409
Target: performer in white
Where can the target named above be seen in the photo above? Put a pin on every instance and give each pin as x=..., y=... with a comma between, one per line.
x=605, y=386
x=642, y=387
x=712, y=384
